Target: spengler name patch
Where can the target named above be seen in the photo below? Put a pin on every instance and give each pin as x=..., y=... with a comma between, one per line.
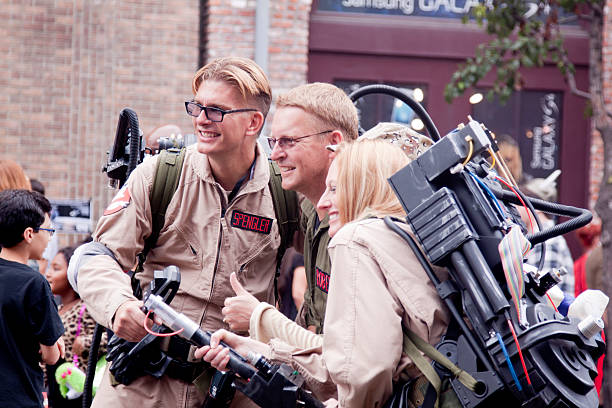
x=251, y=222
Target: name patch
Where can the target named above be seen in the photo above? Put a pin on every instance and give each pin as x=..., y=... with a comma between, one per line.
x=322, y=280
x=251, y=222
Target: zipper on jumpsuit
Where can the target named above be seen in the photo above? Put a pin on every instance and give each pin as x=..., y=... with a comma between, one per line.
x=212, y=284
x=220, y=238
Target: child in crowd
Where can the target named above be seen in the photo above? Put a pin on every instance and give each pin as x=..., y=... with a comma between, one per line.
x=30, y=327
x=78, y=323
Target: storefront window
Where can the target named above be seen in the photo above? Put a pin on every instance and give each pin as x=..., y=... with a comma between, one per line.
x=533, y=119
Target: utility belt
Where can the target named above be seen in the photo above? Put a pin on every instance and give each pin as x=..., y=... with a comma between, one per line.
x=183, y=365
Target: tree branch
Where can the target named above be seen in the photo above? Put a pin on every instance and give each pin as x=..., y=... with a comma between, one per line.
x=569, y=76
x=597, y=8
x=571, y=81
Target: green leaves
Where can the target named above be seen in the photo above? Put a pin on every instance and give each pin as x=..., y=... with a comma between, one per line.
x=524, y=35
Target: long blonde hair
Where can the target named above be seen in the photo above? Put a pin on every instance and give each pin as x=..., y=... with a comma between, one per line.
x=12, y=176
x=362, y=188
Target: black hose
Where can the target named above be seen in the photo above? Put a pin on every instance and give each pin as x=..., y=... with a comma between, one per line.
x=91, y=365
x=402, y=96
x=580, y=216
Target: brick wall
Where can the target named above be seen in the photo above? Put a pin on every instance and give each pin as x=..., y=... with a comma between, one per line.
x=596, y=171
x=231, y=30
x=69, y=66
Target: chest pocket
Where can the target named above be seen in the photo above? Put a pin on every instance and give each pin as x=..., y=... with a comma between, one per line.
x=249, y=244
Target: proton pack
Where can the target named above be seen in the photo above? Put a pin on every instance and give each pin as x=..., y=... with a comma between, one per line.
x=505, y=332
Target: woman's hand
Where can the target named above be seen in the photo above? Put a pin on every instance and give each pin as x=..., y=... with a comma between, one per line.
x=238, y=309
x=218, y=356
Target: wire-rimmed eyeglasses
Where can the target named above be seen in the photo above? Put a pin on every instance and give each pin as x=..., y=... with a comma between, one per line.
x=288, y=142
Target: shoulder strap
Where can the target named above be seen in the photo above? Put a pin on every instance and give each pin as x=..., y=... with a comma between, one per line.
x=165, y=182
x=286, y=209
x=414, y=345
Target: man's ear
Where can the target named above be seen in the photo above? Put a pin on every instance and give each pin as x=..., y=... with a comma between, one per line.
x=28, y=234
x=336, y=137
x=257, y=121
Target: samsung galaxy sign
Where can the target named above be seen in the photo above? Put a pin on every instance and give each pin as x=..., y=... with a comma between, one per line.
x=430, y=8
x=426, y=8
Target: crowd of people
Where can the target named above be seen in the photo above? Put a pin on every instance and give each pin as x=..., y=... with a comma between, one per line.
x=325, y=324
x=29, y=240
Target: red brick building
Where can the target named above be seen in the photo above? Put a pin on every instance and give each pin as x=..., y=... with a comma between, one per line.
x=69, y=67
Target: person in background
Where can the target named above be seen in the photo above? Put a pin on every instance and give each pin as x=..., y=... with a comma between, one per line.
x=78, y=323
x=557, y=252
x=30, y=327
x=292, y=283
x=12, y=176
x=511, y=153
x=588, y=236
x=588, y=274
x=164, y=131
x=372, y=291
x=37, y=186
x=51, y=249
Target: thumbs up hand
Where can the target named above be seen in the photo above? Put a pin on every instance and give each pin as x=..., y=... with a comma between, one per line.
x=238, y=309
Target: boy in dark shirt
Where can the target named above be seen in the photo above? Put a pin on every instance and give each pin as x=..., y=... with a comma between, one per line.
x=30, y=327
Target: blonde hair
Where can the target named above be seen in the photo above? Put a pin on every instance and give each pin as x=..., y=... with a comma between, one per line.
x=327, y=103
x=361, y=187
x=12, y=176
x=242, y=73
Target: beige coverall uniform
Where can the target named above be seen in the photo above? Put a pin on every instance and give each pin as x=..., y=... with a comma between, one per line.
x=377, y=284
x=206, y=237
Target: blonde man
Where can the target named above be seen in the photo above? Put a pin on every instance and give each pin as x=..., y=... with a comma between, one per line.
x=308, y=118
x=224, y=175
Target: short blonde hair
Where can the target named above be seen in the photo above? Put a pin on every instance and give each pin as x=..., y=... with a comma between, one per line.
x=362, y=188
x=12, y=176
x=327, y=103
x=242, y=73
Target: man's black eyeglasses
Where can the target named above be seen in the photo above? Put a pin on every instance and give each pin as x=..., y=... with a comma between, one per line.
x=213, y=114
x=50, y=230
x=289, y=142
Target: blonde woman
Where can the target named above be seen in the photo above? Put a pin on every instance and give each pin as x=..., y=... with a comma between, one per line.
x=377, y=285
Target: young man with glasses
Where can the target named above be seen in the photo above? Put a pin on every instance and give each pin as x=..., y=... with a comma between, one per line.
x=224, y=177
x=30, y=327
x=307, y=119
